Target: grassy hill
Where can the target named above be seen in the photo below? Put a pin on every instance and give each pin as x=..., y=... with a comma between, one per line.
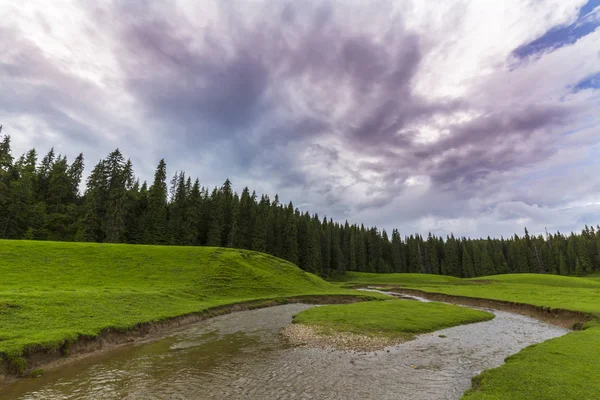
x=51, y=292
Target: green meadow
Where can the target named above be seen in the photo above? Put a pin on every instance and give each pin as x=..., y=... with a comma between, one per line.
x=53, y=292
x=559, y=369
x=409, y=318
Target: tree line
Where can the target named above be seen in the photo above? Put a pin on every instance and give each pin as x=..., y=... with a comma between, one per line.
x=41, y=200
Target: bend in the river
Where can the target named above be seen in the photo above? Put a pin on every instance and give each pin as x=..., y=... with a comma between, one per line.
x=242, y=356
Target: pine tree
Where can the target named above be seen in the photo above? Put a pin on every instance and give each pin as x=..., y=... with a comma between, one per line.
x=563, y=267
x=215, y=232
x=584, y=254
x=397, y=254
x=467, y=262
x=579, y=271
x=352, y=264
x=156, y=215
x=179, y=226
x=193, y=217
x=246, y=219
x=433, y=254
x=325, y=247
x=259, y=234
x=227, y=209
x=487, y=263
x=290, y=248
x=90, y=228
x=120, y=175
x=452, y=261
x=7, y=198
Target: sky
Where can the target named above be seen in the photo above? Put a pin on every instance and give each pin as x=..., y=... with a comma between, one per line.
x=469, y=117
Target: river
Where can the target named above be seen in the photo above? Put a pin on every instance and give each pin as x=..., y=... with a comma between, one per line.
x=242, y=356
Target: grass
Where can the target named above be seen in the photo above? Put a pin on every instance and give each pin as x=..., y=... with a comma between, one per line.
x=595, y=275
x=50, y=293
x=392, y=318
x=365, y=278
x=559, y=369
x=562, y=368
x=551, y=291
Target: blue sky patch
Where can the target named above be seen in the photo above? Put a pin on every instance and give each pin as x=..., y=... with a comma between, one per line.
x=591, y=82
x=587, y=22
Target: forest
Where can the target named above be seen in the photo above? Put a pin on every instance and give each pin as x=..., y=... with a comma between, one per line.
x=43, y=200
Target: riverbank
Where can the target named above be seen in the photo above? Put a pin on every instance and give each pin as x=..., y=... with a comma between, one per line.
x=62, y=299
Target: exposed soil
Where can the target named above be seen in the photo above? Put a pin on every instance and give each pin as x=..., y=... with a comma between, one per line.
x=305, y=335
x=108, y=339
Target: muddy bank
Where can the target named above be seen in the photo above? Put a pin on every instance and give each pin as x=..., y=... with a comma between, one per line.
x=304, y=335
x=559, y=317
x=40, y=358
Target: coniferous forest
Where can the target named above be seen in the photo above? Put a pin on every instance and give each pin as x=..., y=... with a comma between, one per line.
x=40, y=199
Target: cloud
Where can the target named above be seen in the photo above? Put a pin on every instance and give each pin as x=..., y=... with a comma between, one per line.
x=398, y=114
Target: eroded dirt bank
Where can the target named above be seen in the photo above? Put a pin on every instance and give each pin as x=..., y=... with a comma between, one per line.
x=84, y=346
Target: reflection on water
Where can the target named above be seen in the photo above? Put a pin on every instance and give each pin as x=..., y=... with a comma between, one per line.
x=241, y=356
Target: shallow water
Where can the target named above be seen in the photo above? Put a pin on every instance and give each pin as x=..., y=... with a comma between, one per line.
x=242, y=356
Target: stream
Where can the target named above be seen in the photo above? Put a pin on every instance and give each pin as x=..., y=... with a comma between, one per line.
x=242, y=356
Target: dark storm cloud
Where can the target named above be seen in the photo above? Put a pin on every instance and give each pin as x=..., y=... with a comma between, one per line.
x=494, y=142
x=232, y=79
x=224, y=84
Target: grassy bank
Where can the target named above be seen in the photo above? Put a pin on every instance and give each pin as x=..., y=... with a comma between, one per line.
x=562, y=368
x=51, y=293
x=395, y=318
x=552, y=291
x=559, y=369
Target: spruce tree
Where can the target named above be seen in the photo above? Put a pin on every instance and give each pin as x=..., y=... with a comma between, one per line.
x=156, y=215
x=433, y=254
x=352, y=264
x=290, y=248
x=215, y=232
x=467, y=262
x=120, y=176
x=259, y=234
x=91, y=226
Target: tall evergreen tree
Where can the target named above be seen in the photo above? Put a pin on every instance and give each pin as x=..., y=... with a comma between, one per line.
x=467, y=262
x=156, y=216
x=290, y=248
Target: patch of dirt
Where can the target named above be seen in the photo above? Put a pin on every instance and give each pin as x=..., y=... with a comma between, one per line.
x=305, y=335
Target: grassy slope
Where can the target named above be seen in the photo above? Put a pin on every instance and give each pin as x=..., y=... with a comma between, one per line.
x=397, y=318
x=52, y=292
x=365, y=278
x=562, y=368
